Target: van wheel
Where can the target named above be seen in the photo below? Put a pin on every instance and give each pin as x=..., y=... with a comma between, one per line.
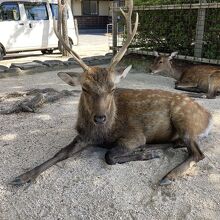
x=49, y=51
x=1, y=53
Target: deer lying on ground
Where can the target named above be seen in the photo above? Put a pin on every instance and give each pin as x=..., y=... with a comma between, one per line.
x=127, y=121
x=193, y=78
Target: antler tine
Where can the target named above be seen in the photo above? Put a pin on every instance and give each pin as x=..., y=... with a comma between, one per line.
x=73, y=53
x=130, y=34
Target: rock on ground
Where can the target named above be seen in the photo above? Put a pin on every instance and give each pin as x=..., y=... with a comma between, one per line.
x=85, y=187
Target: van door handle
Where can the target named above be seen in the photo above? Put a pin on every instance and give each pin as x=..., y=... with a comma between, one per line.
x=30, y=25
x=21, y=23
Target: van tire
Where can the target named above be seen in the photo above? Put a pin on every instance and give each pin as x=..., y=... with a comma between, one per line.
x=49, y=51
x=1, y=53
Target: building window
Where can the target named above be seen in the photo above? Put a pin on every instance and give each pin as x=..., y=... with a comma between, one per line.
x=9, y=11
x=36, y=11
x=89, y=7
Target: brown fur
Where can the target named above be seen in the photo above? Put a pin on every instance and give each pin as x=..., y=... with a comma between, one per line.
x=193, y=78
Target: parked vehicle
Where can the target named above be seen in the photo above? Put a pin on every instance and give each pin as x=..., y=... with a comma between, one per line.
x=28, y=25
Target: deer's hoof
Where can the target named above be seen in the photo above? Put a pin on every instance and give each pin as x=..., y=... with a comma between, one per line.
x=109, y=159
x=165, y=182
x=210, y=97
x=22, y=179
x=18, y=182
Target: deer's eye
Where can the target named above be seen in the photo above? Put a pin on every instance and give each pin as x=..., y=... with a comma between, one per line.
x=84, y=90
x=161, y=62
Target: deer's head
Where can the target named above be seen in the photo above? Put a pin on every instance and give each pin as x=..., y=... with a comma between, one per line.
x=162, y=63
x=98, y=87
x=98, y=84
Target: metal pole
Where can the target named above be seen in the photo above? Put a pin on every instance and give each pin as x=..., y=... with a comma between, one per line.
x=114, y=27
x=200, y=25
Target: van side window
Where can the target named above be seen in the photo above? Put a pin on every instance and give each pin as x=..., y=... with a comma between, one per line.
x=9, y=11
x=36, y=11
x=54, y=9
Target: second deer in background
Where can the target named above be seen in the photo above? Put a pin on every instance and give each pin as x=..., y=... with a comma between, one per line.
x=190, y=78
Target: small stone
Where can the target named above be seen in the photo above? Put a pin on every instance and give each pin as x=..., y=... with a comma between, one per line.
x=52, y=63
x=27, y=66
x=3, y=68
x=14, y=70
x=69, y=63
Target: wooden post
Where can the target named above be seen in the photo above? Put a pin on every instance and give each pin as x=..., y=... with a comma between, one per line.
x=64, y=27
x=77, y=30
x=114, y=27
x=200, y=25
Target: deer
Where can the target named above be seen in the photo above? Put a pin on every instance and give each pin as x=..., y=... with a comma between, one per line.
x=130, y=123
x=191, y=78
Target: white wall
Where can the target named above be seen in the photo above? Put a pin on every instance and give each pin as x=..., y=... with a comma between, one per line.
x=104, y=8
x=76, y=8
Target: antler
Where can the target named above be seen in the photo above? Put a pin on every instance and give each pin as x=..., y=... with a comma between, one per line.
x=130, y=34
x=116, y=59
x=73, y=53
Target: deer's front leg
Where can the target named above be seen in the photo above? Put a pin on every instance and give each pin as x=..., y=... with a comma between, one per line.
x=189, y=87
x=130, y=149
x=123, y=155
x=75, y=146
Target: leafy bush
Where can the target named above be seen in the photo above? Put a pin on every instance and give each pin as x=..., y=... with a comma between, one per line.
x=175, y=30
x=165, y=2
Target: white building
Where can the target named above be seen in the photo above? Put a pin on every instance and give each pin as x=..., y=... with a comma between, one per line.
x=92, y=14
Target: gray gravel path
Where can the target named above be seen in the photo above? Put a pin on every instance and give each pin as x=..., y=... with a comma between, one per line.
x=84, y=187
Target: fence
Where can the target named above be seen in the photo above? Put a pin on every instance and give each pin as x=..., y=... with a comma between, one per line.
x=192, y=29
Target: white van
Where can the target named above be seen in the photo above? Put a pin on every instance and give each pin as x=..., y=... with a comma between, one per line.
x=27, y=25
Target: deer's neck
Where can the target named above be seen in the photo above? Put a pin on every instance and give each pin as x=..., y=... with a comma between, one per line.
x=97, y=134
x=175, y=71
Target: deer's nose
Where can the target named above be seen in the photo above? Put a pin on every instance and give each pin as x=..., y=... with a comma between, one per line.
x=99, y=119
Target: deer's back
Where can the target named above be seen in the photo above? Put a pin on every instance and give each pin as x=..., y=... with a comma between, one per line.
x=159, y=114
x=199, y=74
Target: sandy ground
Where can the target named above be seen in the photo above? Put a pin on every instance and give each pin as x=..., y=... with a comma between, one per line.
x=89, y=45
x=85, y=187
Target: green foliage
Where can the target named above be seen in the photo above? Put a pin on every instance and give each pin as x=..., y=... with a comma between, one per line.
x=175, y=30
x=211, y=48
x=165, y=2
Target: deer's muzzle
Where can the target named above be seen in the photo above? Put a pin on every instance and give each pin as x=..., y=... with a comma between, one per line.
x=99, y=119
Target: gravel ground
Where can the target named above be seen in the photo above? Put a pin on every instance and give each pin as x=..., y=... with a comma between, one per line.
x=84, y=187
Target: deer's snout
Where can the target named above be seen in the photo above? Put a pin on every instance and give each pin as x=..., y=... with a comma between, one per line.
x=100, y=119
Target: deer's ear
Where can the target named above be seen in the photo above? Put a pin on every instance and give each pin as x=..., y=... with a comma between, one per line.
x=121, y=74
x=172, y=55
x=70, y=78
x=156, y=54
